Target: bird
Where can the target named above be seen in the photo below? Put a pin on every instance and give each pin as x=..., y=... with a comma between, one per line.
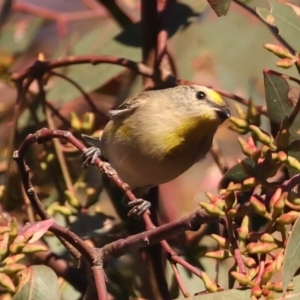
x=156, y=135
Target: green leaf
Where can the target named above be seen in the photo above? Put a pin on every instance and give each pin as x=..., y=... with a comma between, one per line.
x=291, y=260
x=99, y=41
x=236, y=174
x=265, y=15
x=277, y=90
x=115, y=41
x=18, y=33
x=38, y=282
x=280, y=105
x=220, y=7
x=288, y=23
x=285, y=18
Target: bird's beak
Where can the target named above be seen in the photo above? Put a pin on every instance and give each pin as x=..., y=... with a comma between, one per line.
x=223, y=113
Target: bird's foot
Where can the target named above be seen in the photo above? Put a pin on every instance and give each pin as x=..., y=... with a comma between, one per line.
x=89, y=156
x=138, y=207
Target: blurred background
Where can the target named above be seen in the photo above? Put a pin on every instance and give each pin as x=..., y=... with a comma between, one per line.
x=224, y=53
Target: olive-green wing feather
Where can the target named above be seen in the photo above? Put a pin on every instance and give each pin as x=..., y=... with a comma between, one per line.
x=129, y=105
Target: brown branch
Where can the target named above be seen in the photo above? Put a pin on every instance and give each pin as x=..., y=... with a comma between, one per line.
x=56, y=113
x=120, y=247
x=100, y=284
x=149, y=23
x=22, y=88
x=236, y=251
x=179, y=280
x=162, y=60
x=39, y=68
x=157, y=234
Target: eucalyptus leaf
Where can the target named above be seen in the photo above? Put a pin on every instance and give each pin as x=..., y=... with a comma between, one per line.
x=284, y=17
x=265, y=15
x=291, y=260
x=18, y=33
x=288, y=23
x=236, y=174
x=37, y=282
x=280, y=105
x=220, y=7
x=110, y=39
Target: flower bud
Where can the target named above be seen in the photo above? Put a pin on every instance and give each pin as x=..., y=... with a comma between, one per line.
x=243, y=279
x=254, y=248
x=258, y=206
x=268, y=272
x=267, y=238
x=223, y=242
x=239, y=123
x=7, y=283
x=280, y=51
x=262, y=137
x=293, y=163
x=210, y=285
x=212, y=209
x=240, y=111
x=13, y=268
x=32, y=248
x=249, y=262
x=72, y=200
x=246, y=148
x=243, y=231
x=219, y=254
x=256, y=291
x=288, y=218
x=13, y=258
x=286, y=63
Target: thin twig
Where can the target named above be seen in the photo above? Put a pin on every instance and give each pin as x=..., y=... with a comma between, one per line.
x=99, y=278
x=56, y=143
x=287, y=77
x=120, y=247
x=57, y=16
x=84, y=94
x=261, y=109
x=236, y=251
x=162, y=59
x=39, y=68
x=218, y=157
x=56, y=113
x=22, y=88
x=179, y=280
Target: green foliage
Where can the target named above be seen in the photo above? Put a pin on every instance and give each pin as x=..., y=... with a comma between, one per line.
x=258, y=197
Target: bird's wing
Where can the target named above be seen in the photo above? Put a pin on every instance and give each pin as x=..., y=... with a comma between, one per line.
x=93, y=141
x=129, y=105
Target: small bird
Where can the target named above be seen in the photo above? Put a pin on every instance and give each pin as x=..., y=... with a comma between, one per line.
x=155, y=136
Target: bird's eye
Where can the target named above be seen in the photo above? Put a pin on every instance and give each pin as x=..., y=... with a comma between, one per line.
x=200, y=95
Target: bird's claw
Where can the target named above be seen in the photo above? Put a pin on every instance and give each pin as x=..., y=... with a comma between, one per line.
x=139, y=207
x=89, y=156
